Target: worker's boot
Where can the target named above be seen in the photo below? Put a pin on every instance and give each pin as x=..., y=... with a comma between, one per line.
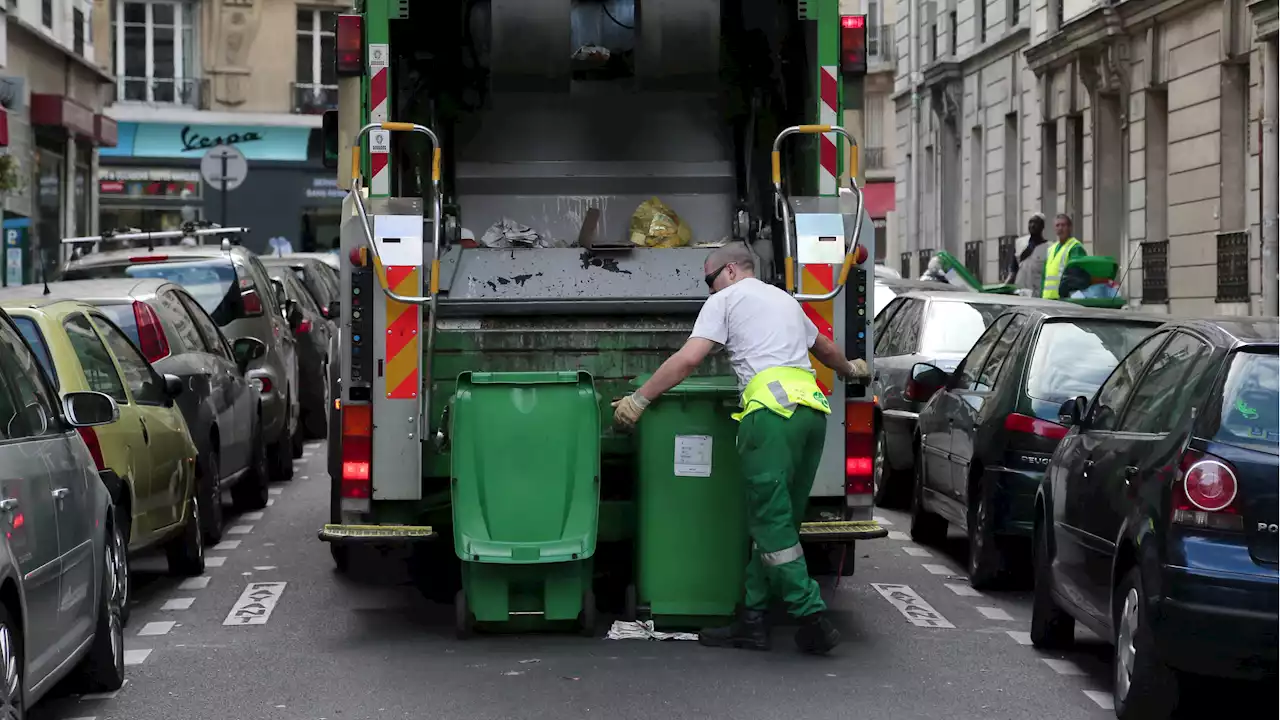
x=748, y=631
x=816, y=634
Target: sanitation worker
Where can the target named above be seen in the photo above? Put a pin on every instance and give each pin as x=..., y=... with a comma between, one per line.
x=1067, y=248
x=780, y=436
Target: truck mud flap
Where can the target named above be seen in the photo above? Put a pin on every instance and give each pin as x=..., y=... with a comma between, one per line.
x=375, y=534
x=842, y=531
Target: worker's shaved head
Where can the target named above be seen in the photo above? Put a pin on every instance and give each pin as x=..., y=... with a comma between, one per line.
x=733, y=253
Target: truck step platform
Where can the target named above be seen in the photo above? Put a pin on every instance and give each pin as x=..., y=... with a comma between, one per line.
x=815, y=532
x=375, y=534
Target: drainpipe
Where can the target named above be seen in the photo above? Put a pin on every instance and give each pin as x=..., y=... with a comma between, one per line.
x=1270, y=180
x=913, y=172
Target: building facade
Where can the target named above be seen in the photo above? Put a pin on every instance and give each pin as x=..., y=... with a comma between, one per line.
x=51, y=129
x=192, y=74
x=1141, y=120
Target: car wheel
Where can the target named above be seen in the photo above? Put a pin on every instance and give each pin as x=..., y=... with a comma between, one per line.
x=926, y=527
x=186, y=552
x=298, y=441
x=985, y=559
x=12, y=699
x=211, y=490
x=1144, y=686
x=888, y=484
x=1051, y=627
x=102, y=670
x=250, y=493
x=122, y=574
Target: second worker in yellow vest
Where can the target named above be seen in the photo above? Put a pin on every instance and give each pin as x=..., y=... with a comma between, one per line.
x=780, y=435
x=1066, y=248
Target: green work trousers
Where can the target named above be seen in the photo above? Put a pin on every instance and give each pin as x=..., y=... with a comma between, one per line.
x=780, y=458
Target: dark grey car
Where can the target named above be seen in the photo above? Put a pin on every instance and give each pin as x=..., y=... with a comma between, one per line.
x=317, y=340
x=919, y=327
x=221, y=407
x=61, y=552
x=234, y=287
x=319, y=279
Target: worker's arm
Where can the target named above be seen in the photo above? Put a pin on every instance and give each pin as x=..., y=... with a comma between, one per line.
x=829, y=354
x=677, y=367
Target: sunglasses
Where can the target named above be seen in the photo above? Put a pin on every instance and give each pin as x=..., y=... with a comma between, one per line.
x=711, y=277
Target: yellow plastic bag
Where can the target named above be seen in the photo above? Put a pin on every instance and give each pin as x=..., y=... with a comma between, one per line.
x=654, y=224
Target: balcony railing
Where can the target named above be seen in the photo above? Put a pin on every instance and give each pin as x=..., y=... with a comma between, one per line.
x=880, y=45
x=314, y=98
x=188, y=92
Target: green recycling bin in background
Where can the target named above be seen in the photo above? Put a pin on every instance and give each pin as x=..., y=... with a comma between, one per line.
x=691, y=530
x=526, y=498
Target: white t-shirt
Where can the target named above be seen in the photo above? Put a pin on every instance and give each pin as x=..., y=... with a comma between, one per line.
x=761, y=326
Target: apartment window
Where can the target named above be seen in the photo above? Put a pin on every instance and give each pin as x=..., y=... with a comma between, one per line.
x=316, y=48
x=1049, y=168
x=46, y=13
x=1011, y=188
x=77, y=31
x=1075, y=169
x=977, y=186
x=952, y=26
x=980, y=20
x=933, y=42
x=1155, y=271
x=1015, y=10
x=155, y=51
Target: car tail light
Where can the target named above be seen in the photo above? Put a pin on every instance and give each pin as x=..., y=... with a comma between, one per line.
x=95, y=447
x=357, y=452
x=1017, y=422
x=349, y=55
x=151, y=338
x=859, y=453
x=304, y=326
x=252, y=301
x=1205, y=493
x=261, y=384
x=148, y=258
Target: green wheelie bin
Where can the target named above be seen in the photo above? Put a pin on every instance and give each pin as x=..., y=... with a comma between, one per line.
x=526, y=499
x=691, y=530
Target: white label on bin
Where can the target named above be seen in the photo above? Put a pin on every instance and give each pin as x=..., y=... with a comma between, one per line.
x=693, y=456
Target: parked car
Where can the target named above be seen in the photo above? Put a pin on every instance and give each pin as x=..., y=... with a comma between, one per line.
x=234, y=287
x=221, y=408
x=1155, y=524
x=317, y=345
x=990, y=426
x=330, y=259
x=919, y=327
x=61, y=552
x=146, y=457
x=886, y=289
x=319, y=279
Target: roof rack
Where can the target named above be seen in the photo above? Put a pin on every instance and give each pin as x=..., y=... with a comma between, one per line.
x=193, y=230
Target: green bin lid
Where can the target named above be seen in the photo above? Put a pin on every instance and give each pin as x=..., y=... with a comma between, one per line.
x=1098, y=266
x=699, y=385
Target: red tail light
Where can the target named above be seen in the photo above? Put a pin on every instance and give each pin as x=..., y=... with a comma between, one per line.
x=304, y=326
x=95, y=448
x=1205, y=492
x=349, y=55
x=262, y=384
x=1017, y=422
x=853, y=43
x=252, y=301
x=151, y=337
x=148, y=258
x=859, y=452
x=357, y=452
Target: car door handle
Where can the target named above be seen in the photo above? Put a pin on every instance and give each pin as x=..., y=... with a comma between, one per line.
x=61, y=493
x=8, y=505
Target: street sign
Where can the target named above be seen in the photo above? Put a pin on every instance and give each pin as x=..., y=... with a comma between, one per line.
x=224, y=167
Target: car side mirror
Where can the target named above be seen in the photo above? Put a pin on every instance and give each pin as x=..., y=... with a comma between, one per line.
x=89, y=409
x=172, y=386
x=335, y=309
x=246, y=350
x=293, y=313
x=926, y=380
x=1072, y=411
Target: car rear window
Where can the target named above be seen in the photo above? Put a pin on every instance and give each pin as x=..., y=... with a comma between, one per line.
x=953, y=327
x=212, y=282
x=124, y=318
x=1074, y=357
x=31, y=333
x=1251, y=403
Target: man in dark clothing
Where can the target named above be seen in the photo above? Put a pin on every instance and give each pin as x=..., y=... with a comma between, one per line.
x=1026, y=246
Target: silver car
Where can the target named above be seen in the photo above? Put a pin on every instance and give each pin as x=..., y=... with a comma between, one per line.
x=61, y=553
x=234, y=287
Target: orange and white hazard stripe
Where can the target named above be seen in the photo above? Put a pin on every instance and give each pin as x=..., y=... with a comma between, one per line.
x=818, y=280
x=403, y=322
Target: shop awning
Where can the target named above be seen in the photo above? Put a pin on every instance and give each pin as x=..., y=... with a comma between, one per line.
x=167, y=140
x=879, y=198
x=106, y=133
x=62, y=112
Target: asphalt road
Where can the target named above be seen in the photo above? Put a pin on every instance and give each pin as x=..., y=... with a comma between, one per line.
x=340, y=649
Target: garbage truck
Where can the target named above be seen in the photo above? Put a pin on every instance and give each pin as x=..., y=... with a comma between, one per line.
x=533, y=187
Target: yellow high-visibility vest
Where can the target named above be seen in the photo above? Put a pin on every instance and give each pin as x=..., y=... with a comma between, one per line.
x=1055, y=264
x=782, y=390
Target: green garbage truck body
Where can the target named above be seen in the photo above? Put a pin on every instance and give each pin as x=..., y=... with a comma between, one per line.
x=544, y=126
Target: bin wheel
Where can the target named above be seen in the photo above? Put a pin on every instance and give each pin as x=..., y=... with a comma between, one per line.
x=462, y=616
x=630, y=607
x=588, y=615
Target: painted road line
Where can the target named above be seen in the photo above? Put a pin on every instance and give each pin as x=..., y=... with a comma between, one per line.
x=255, y=515
x=271, y=501
x=226, y=545
x=305, y=477
x=214, y=561
x=177, y=604
x=105, y=695
x=275, y=491
x=992, y=613
x=912, y=606
x=883, y=521
x=938, y=569
x=264, y=568
x=963, y=590
x=256, y=604
x=159, y=627
x=136, y=657
x=899, y=535
x=196, y=583
x=239, y=529
x=1105, y=700
x=1019, y=636
x=89, y=717
x=1063, y=667
x=917, y=552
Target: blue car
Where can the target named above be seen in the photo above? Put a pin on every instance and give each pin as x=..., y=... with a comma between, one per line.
x=1156, y=523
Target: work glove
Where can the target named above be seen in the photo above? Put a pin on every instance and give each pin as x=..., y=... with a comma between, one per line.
x=856, y=370
x=627, y=411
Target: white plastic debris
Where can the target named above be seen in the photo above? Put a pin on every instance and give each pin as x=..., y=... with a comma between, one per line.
x=508, y=232
x=643, y=630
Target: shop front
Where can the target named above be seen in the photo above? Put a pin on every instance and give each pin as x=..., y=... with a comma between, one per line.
x=151, y=181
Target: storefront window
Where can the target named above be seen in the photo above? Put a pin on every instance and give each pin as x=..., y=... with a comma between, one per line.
x=49, y=175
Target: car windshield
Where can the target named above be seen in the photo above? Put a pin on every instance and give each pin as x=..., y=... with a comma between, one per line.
x=35, y=339
x=1073, y=358
x=211, y=282
x=953, y=327
x=123, y=316
x=1251, y=403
